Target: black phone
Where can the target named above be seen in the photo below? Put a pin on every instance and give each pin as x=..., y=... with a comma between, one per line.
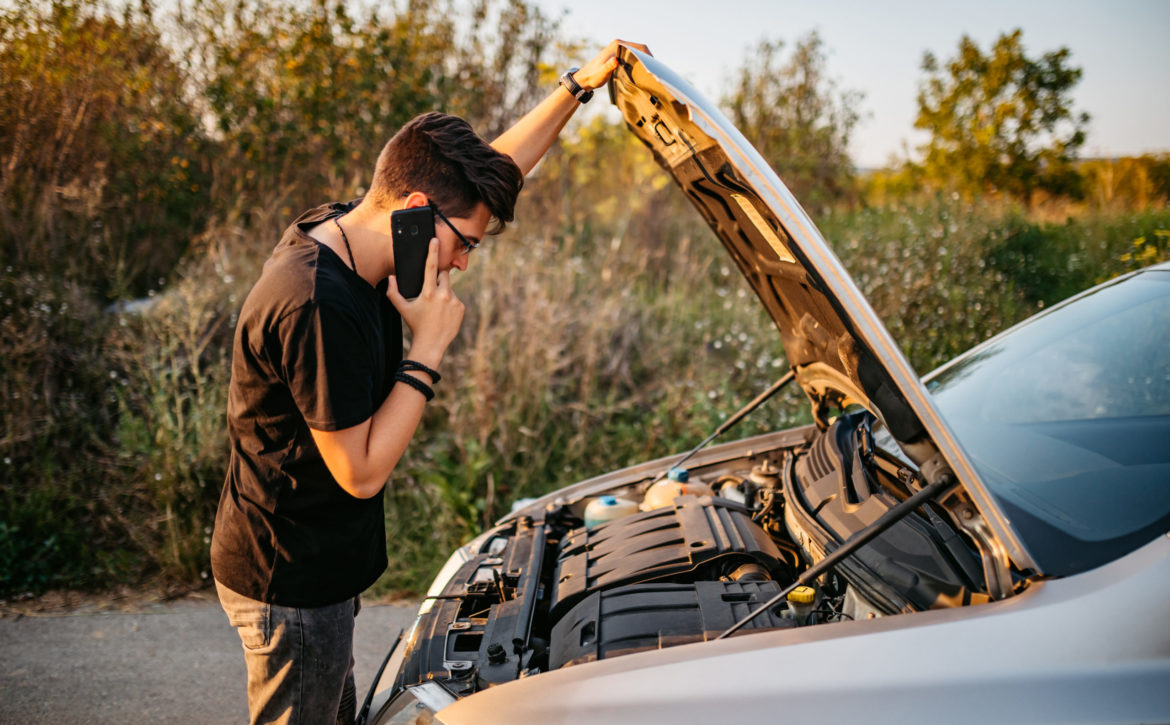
x=412, y=231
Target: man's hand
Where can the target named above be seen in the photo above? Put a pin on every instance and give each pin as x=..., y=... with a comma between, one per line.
x=434, y=317
x=528, y=140
x=362, y=457
x=596, y=72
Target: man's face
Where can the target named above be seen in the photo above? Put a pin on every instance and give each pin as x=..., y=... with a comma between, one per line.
x=452, y=252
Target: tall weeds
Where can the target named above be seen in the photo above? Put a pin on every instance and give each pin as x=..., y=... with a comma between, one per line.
x=606, y=327
x=574, y=359
x=169, y=448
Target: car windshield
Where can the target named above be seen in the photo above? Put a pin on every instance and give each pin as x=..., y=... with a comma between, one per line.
x=1067, y=420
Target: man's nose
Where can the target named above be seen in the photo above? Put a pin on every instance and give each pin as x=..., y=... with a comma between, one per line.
x=460, y=262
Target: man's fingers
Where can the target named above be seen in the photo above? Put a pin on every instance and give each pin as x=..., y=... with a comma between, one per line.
x=432, y=268
x=597, y=71
x=636, y=46
x=393, y=294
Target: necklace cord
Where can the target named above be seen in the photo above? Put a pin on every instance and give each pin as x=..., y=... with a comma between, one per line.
x=346, y=240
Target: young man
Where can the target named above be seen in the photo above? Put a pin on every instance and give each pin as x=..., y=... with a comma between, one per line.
x=322, y=405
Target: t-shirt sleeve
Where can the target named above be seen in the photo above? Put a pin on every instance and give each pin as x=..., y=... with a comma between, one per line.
x=327, y=365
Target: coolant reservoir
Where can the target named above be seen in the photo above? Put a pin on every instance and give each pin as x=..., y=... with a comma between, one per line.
x=677, y=483
x=608, y=508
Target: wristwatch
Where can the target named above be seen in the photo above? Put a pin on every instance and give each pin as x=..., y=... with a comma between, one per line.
x=574, y=88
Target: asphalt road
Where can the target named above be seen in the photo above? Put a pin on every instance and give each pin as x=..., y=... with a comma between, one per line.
x=163, y=663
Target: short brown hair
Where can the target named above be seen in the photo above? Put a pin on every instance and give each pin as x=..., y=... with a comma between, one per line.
x=441, y=156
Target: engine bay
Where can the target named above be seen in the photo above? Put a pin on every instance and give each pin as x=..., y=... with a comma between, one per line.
x=653, y=562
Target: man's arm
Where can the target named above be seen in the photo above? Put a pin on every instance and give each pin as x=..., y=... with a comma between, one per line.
x=528, y=140
x=362, y=457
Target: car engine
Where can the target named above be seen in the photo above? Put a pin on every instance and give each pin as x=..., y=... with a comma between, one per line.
x=654, y=563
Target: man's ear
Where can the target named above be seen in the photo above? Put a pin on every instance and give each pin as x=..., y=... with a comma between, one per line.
x=414, y=200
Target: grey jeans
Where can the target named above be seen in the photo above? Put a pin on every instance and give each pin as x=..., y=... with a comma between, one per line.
x=299, y=659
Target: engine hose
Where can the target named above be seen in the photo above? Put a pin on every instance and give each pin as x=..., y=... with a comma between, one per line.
x=750, y=572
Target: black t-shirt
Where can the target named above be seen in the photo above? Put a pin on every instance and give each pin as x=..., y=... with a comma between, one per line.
x=315, y=346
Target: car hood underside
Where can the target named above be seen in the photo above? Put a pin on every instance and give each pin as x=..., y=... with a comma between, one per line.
x=838, y=348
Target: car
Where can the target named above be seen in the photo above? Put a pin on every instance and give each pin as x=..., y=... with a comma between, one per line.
x=985, y=544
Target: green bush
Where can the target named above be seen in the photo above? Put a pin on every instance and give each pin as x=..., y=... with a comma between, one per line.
x=945, y=275
x=1048, y=262
x=55, y=383
x=924, y=271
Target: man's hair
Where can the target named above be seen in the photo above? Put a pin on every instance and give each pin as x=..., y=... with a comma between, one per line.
x=441, y=156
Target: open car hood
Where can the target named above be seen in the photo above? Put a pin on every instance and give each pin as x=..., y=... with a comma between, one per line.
x=840, y=351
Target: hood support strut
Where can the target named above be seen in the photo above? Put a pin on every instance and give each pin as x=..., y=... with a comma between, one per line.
x=737, y=417
x=861, y=538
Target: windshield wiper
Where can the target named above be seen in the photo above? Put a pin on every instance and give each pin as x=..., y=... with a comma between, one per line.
x=730, y=422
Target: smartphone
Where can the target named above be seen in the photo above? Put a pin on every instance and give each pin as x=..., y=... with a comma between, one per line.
x=412, y=231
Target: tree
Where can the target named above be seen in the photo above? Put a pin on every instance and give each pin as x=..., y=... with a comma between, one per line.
x=794, y=115
x=304, y=98
x=1001, y=121
x=102, y=160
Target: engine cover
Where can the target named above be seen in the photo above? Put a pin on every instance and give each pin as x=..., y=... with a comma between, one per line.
x=699, y=538
x=651, y=616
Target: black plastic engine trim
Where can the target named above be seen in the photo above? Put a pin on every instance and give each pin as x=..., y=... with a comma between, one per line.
x=684, y=541
x=651, y=616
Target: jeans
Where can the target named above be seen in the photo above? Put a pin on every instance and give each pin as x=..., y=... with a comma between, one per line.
x=299, y=659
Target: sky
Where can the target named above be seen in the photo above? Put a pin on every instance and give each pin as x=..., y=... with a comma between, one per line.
x=876, y=47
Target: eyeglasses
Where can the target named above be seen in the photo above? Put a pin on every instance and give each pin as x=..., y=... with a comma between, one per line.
x=468, y=245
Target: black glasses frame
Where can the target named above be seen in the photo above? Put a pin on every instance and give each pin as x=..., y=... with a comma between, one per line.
x=468, y=245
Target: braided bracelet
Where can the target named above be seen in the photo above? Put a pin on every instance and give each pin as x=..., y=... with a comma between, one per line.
x=415, y=383
x=419, y=367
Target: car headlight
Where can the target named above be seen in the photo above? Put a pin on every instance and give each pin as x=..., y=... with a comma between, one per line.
x=416, y=705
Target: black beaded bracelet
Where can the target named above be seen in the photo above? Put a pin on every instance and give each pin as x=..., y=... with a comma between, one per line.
x=415, y=383
x=419, y=367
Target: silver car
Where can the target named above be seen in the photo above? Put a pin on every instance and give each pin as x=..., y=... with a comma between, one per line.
x=987, y=544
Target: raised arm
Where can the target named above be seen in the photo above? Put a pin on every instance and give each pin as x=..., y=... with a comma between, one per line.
x=528, y=140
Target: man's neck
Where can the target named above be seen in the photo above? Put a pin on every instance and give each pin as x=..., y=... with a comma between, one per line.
x=366, y=230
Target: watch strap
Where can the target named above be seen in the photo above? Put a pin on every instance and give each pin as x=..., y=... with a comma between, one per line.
x=573, y=87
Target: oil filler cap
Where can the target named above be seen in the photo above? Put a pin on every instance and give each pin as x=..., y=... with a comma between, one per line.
x=802, y=595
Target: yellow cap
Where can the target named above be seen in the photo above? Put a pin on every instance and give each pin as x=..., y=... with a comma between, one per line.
x=802, y=595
